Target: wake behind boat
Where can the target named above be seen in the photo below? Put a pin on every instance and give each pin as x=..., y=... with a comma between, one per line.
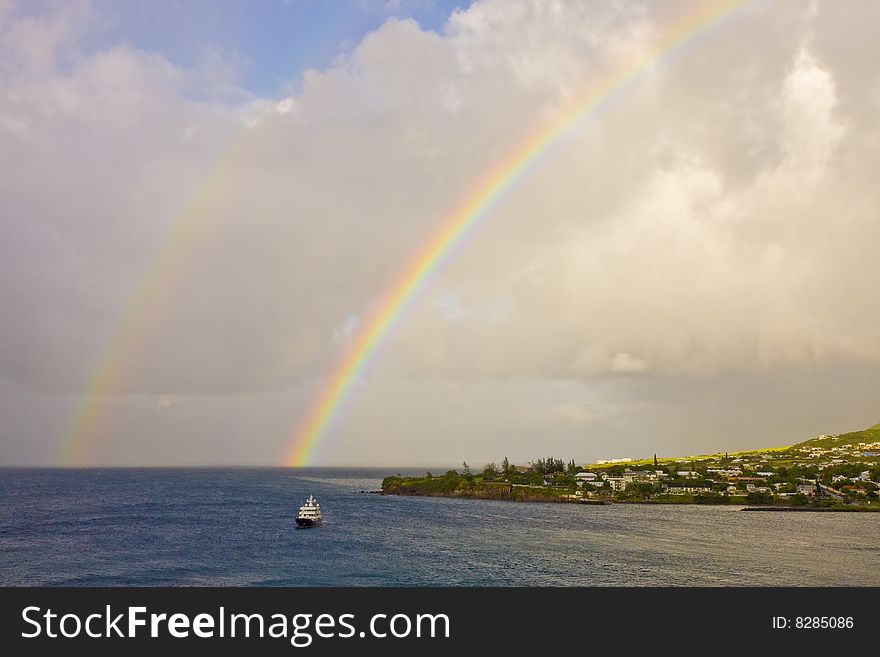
x=309, y=513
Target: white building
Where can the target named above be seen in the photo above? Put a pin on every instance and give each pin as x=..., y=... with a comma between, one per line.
x=687, y=490
x=730, y=472
x=617, y=483
x=639, y=475
x=591, y=478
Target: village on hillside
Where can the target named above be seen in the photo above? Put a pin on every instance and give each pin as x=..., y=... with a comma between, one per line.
x=827, y=471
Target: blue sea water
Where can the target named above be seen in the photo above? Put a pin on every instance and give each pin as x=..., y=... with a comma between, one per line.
x=235, y=527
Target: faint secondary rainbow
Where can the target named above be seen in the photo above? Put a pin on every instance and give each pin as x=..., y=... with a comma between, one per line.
x=144, y=310
x=453, y=231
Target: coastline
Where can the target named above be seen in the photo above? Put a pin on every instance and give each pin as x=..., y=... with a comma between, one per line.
x=402, y=488
x=417, y=487
x=833, y=509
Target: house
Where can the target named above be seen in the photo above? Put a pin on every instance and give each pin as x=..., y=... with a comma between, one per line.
x=639, y=475
x=617, y=483
x=672, y=489
x=591, y=478
x=806, y=489
x=730, y=472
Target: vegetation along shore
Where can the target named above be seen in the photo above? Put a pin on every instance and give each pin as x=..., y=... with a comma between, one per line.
x=826, y=473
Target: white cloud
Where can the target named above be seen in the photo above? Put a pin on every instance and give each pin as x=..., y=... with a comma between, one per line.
x=718, y=219
x=285, y=106
x=626, y=364
x=808, y=102
x=576, y=412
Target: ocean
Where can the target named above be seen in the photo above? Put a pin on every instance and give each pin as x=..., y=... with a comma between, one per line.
x=234, y=526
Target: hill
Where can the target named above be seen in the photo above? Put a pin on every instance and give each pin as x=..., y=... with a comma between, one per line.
x=839, y=472
x=867, y=436
x=849, y=446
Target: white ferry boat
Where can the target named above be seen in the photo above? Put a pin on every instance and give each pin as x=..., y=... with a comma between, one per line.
x=309, y=513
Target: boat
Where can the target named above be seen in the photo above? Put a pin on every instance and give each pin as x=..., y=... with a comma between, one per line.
x=309, y=513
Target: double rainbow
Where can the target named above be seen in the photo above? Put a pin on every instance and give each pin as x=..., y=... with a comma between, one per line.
x=471, y=213
x=145, y=309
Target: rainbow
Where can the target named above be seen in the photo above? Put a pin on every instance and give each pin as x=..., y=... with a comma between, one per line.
x=470, y=214
x=146, y=308
x=144, y=311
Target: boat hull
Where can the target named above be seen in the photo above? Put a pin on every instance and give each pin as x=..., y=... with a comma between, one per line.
x=304, y=523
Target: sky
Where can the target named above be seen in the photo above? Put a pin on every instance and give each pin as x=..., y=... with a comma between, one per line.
x=205, y=201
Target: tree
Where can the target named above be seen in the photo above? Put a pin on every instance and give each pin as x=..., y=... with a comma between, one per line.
x=505, y=467
x=655, y=460
x=467, y=468
x=428, y=475
x=709, y=497
x=548, y=465
x=638, y=490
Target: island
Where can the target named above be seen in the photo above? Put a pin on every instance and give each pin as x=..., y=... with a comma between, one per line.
x=827, y=473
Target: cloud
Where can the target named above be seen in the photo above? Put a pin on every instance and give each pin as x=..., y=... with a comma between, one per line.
x=626, y=364
x=717, y=219
x=576, y=412
x=285, y=105
x=167, y=401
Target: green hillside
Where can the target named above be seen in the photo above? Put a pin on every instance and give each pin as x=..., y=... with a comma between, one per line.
x=839, y=472
x=842, y=446
x=869, y=435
